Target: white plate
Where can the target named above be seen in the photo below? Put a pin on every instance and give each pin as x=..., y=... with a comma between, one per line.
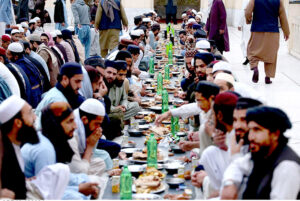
x=145, y=112
x=155, y=108
x=146, y=196
x=143, y=127
x=142, y=161
x=159, y=166
x=151, y=192
x=130, y=150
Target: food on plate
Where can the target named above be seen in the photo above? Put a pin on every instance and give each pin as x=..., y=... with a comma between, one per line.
x=147, y=184
x=143, y=155
x=160, y=131
x=182, y=196
x=158, y=98
x=167, y=82
x=152, y=171
x=147, y=104
x=150, y=118
x=158, y=138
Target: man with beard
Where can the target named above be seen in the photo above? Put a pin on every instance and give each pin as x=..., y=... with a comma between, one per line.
x=205, y=93
x=46, y=53
x=190, y=70
x=215, y=159
x=15, y=53
x=271, y=170
x=97, y=62
x=66, y=89
x=69, y=51
x=58, y=126
x=17, y=119
x=117, y=93
x=153, y=35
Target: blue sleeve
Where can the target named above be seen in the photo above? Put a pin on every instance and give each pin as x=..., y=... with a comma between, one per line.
x=42, y=158
x=76, y=179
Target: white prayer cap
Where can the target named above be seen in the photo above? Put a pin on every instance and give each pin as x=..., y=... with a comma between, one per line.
x=203, y=44
x=24, y=25
x=146, y=19
x=53, y=34
x=21, y=30
x=141, y=31
x=199, y=16
x=15, y=47
x=183, y=15
x=200, y=13
x=93, y=106
x=10, y=107
x=191, y=20
x=125, y=36
x=226, y=77
x=58, y=32
x=221, y=65
x=37, y=19
x=32, y=21
x=135, y=33
x=14, y=31
x=194, y=11
x=71, y=28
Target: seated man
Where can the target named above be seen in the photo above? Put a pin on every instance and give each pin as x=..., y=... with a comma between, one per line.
x=271, y=169
x=58, y=125
x=117, y=93
x=87, y=159
x=17, y=128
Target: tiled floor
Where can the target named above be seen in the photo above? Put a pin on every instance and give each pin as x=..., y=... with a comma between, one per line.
x=284, y=92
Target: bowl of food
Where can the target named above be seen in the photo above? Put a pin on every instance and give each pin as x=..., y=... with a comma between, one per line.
x=181, y=134
x=135, y=133
x=136, y=170
x=174, y=182
x=144, y=127
x=130, y=151
x=172, y=166
x=176, y=149
x=141, y=121
x=159, y=57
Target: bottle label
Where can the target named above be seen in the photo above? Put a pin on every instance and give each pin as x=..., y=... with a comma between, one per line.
x=115, y=163
x=115, y=184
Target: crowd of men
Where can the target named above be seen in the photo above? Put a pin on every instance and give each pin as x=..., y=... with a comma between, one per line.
x=63, y=106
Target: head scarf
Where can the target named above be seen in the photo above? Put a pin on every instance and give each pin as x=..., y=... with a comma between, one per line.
x=108, y=7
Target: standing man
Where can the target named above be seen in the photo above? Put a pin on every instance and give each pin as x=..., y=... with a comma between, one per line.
x=216, y=26
x=6, y=15
x=264, y=41
x=60, y=15
x=81, y=13
x=171, y=10
x=245, y=28
x=109, y=15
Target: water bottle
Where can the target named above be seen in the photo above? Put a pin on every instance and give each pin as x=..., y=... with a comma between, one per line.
x=126, y=184
x=167, y=48
x=167, y=72
x=151, y=65
x=170, y=57
x=165, y=101
x=174, y=125
x=159, y=83
x=152, y=151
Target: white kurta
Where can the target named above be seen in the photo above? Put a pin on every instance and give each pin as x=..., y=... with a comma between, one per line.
x=246, y=33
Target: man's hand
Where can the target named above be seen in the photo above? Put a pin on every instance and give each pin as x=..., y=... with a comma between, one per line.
x=5, y=193
x=219, y=139
x=229, y=193
x=221, y=31
x=209, y=127
x=198, y=178
x=63, y=24
x=196, y=80
x=122, y=107
x=182, y=95
x=115, y=172
x=235, y=148
x=240, y=28
x=79, y=26
x=92, y=140
x=103, y=89
x=125, y=28
x=286, y=37
x=162, y=117
x=193, y=136
x=89, y=189
x=187, y=146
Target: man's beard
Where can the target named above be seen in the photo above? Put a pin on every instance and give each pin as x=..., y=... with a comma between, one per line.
x=245, y=138
x=261, y=154
x=129, y=74
x=87, y=130
x=221, y=127
x=202, y=77
x=68, y=91
x=119, y=83
x=108, y=85
x=27, y=134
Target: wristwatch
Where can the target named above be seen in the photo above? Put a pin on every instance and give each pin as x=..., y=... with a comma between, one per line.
x=228, y=183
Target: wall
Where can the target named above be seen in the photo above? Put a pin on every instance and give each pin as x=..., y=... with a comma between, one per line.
x=294, y=23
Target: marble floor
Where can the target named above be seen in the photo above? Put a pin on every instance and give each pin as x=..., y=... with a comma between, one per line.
x=284, y=92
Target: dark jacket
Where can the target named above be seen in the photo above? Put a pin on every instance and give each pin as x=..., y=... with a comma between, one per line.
x=12, y=176
x=59, y=12
x=265, y=16
x=35, y=79
x=105, y=22
x=63, y=51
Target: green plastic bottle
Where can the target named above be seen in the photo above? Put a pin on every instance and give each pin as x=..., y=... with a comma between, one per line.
x=170, y=57
x=167, y=48
x=165, y=101
x=151, y=65
x=174, y=125
x=152, y=151
x=167, y=72
x=171, y=47
x=159, y=83
x=126, y=184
